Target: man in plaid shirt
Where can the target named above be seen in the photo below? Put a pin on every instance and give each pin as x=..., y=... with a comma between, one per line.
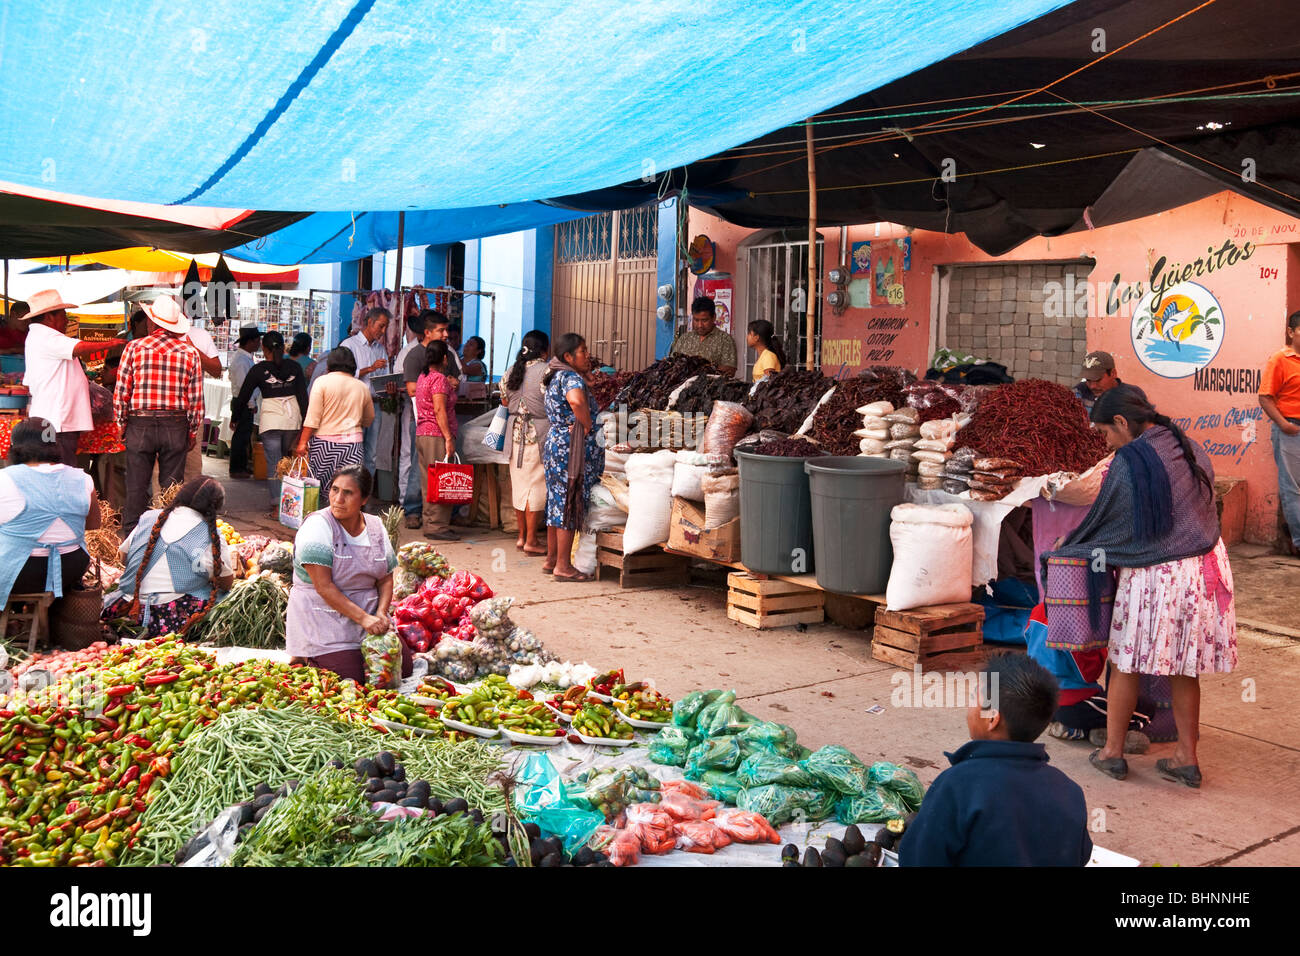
x=159, y=401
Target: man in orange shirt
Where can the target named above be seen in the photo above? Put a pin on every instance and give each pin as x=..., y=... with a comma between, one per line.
x=1279, y=396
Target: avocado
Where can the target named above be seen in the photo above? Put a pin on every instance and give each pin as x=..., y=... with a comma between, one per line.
x=261, y=789
x=374, y=785
x=290, y=786
x=790, y=852
x=858, y=859
x=411, y=802
x=383, y=796
x=584, y=857
x=399, y=773
x=833, y=856
x=477, y=816
x=854, y=841
x=603, y=863
x=435, y=806
x=336, y=763
x=246, y=811
x=418, y=788
x=537, y=850
x=885, y=839
x=834, y=844
x=459, y=805
x=812, y=858
x=599, y=858
x=265, y=800
x=390, y=784
x=365, y=767
x=261, y=812
x=871, y=854
x=790, y=863
x=551, y=859
x=533, y=830
x=386, y=763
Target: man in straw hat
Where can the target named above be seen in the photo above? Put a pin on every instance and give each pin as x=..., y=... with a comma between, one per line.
x=60, y=390
x=159, y=400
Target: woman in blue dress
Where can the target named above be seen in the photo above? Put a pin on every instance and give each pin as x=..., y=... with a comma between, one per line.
x=572, y=457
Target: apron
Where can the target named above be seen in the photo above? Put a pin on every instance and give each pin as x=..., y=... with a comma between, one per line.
x=49, y=496
x=313, y=627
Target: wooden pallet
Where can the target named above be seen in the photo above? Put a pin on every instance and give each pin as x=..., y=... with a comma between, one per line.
x=940, y=637
x=650, y=568
x=769, y=603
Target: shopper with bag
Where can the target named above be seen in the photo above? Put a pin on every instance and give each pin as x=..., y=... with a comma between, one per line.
x=177, y=564
x=284, y=404
x=435, y=435
x=523, y=396
x=342, y=581
x=337, y=414
x=1146, y=574
x=572, y=458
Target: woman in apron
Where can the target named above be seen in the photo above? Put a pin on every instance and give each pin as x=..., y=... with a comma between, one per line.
x=45, y=510
x=523, y=395
x=342, y=581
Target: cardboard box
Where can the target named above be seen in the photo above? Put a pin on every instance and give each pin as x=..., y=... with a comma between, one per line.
x=687, y=534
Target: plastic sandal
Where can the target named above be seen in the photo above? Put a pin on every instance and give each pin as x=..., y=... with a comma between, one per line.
x=579, y=577
x=1189, y=775
x=1115, y=768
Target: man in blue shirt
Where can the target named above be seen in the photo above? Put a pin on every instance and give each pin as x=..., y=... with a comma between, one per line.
x=1000, y=804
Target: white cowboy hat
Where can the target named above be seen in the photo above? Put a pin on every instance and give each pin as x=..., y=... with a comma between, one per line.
x=167, y=313
x=45, y=302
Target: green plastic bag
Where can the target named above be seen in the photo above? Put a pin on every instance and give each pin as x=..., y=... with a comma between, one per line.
x=723, y=716
x=721, y=786
x=899, y=781
x=781, y=804
x=671, y=745
x=762, y=768
x=837, y=769
x=718, y=753
x=769, y=737
x=686, y=710
x=876, y=805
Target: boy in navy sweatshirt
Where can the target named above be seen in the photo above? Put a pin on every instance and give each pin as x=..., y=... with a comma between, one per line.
x=1000, y=804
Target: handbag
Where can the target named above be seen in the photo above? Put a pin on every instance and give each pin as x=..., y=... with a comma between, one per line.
x=450, y=482
x=496, y=433
x=299, y=494
x=1067, y=603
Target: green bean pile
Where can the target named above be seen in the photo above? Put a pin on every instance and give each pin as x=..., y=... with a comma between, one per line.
x=221, y=764
x=251, y=615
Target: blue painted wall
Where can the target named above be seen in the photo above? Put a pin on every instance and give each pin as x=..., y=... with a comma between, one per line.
x=667, y=274
x=539, y=272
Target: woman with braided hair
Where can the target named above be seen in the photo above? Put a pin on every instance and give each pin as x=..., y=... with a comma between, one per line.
x=1158, y=584
x=177, y=564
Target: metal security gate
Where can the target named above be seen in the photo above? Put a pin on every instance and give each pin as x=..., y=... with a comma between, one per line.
x=776, y=290
x=605, y=284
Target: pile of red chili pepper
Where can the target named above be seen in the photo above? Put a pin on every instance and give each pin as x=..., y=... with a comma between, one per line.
x=81, y=760
x=650, y=387
x=605, y=386
x=836, y=421
x=1038, y=423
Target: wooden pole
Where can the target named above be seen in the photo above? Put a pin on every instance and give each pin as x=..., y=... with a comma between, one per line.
x=811, y=297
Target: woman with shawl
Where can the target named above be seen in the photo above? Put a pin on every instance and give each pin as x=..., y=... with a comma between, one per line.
x=571, y=456
x=1146, y=575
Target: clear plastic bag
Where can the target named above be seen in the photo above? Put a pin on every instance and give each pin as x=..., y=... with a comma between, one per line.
x=838, y=769
x=687, y=709
x=382, y=654
x=716, y=753
x=541, y=798
x=728, y=423
x=779, y=804
x=745, y=826
x=700, y=836
x=671, y=745
x=721, y=785
x=760, y=769
x=900, y=781
x=875, y=805
x=723, y=716
x=767, y=735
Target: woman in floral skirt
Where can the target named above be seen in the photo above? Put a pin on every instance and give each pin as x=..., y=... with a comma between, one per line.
x=1153, y=534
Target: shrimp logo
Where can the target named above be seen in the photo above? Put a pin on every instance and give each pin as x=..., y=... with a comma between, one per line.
x=1178, y=332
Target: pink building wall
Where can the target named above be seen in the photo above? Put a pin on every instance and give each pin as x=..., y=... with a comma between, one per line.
x=1248, y=264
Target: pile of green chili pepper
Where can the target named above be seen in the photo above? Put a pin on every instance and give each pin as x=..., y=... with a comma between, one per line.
x=81, y=760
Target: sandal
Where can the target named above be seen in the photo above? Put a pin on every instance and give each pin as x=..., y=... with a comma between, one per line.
x=1115, y=768
x=546, y=570
x=1189, y=775
x=579, y=577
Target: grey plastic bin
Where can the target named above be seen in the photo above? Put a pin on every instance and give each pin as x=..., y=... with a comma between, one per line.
x=775, y=514
x=851, y=501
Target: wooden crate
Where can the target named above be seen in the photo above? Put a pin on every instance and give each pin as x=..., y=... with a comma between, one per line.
x=769, y=603
x=940, y=637
x=652, y=567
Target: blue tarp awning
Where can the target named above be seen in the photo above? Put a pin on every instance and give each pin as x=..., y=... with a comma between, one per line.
x=438, y=104
x=339, y=236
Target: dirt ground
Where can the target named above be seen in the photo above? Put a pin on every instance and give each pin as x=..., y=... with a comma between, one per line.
x=823, y=680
